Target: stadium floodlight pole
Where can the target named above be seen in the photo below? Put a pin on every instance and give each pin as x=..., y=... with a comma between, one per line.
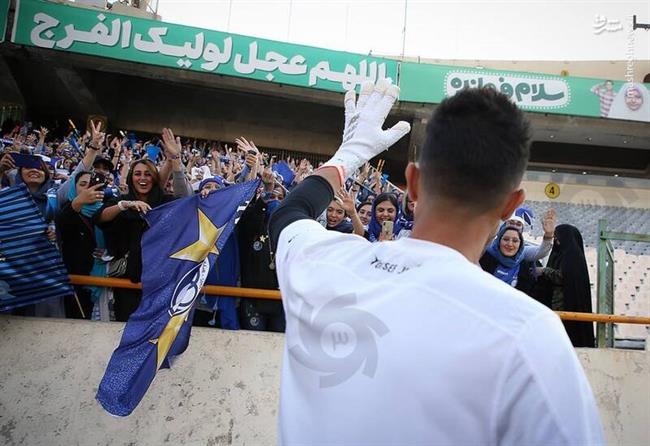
x=636, y=25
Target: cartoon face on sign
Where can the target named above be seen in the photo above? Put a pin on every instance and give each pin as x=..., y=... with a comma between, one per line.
x=633, y=98
x=632, y=102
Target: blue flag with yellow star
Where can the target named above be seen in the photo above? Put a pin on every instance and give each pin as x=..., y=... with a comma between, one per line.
x=179, y=248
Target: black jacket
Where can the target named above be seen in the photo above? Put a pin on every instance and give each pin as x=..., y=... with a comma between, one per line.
x=255, y=248
x=77, y=240
x=124, y=235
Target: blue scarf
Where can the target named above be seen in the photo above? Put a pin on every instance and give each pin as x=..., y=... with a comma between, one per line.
x=374, y=227
x=508, y=267
x=99, y=266
x=271, y=205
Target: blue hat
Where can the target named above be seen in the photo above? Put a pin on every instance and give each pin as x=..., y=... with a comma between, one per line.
x=527, y=215
x=215, y=179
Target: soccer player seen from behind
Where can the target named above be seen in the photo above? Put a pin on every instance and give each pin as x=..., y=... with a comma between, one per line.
x=409, y=341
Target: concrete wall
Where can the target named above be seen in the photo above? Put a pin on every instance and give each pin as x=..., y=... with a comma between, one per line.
x=223, y=390
x=595, y=195
x=589, y=189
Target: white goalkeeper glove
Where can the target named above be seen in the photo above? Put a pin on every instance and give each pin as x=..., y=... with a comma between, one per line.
x=363, y=136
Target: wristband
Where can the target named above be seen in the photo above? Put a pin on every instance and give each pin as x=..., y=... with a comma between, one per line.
x=339, y=169
x=93, y=147
x=122, y=206
x=174, y=157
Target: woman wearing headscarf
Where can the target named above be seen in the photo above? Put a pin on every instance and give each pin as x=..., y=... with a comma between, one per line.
x=384, y=208
x=220, y=311
x=257, y=260
x=338, y=209
x=632, y=102
x=80, y=239
x=364, y=211
x=505, y=259
x=41, y=188
x=568, y=287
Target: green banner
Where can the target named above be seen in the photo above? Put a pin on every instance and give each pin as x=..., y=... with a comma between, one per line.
x=530, y=91
x=101, y=33
x=4, y=15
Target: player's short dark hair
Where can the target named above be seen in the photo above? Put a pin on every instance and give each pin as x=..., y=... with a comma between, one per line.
x=476, y=149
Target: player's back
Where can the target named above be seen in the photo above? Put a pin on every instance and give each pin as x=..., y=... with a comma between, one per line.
x=407, y=342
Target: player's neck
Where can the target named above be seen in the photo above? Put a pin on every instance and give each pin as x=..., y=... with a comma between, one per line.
x=456, y=229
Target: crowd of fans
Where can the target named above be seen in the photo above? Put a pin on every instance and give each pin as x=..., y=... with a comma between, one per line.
x=93, y=189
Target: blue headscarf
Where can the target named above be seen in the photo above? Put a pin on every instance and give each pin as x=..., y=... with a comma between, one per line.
x=508, y=267
x=88, y=210
x=374, y=227
x=215, y=179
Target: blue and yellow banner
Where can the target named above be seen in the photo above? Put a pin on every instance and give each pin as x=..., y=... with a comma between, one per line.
x=178, y=250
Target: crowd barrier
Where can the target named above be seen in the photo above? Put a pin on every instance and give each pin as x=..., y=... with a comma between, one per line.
x=253, y=293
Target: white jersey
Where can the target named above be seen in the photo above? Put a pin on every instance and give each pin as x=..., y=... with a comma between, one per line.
x=408, y=343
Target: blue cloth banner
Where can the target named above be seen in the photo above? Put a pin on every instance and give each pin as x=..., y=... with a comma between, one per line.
x=31, y=268
x=179, y=248
x=153, y=152
x=287, y=174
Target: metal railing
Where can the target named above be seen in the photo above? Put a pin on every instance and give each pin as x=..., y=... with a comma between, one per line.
x=254, y=293
x=605, y=275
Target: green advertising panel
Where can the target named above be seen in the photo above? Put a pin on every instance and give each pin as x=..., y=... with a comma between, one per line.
x=4, y=15
x=101, y=33
x=530, y=91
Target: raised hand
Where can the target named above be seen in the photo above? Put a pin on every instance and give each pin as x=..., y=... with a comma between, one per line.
x=171, y=145
x=549, y=221
x=248, y=147
x=245, y=145
x=267, y=176
x=363, y=136
x=96, y=135
x=7, y=163
x=90, y=195
x=347, y=202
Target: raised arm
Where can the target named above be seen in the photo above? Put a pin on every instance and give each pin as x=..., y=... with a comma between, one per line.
x=363, y=138
x=347, y=201
x=94, y=146
x=173, y=166
x=549, y=222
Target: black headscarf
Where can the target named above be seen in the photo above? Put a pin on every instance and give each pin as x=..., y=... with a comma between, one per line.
x=568, y=256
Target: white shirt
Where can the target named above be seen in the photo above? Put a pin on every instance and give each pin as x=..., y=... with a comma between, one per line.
x=409, y=343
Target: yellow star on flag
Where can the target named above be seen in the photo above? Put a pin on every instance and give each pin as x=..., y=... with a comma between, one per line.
x=206, y=244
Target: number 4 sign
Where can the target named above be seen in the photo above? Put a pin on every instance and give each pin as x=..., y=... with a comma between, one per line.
x=552, y=190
